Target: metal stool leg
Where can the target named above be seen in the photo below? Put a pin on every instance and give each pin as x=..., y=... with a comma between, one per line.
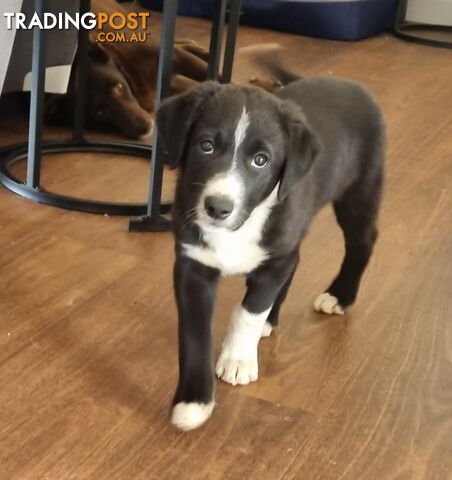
x=36, y=101
x=81, y=74
x=216, y=40
x=233, y=25
x=153, y=221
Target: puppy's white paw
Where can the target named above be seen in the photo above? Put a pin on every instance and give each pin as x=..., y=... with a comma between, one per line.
x=188, y=416
x=235, y=371
x=327, y=303
x=238, y=359
x=267, y=330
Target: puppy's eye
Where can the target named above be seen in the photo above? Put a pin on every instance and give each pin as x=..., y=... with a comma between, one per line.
x=207, y=146
x=260, y=160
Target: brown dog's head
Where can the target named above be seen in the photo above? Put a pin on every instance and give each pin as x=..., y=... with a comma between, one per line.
x=110, y=103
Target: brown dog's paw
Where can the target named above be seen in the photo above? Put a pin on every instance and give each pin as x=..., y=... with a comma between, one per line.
x=192, y=47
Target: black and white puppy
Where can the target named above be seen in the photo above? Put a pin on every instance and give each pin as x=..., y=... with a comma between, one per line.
x=255, y=168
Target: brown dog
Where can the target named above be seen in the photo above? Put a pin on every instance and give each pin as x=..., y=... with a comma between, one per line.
x=122, y=81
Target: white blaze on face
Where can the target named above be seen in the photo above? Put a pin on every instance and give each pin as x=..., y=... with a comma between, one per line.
x=228, y=183
x=240, y=133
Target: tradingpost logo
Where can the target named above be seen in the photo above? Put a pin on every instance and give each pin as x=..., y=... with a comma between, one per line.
x=111, y=27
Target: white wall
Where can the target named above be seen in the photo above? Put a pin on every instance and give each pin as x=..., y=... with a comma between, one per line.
x=6, y=36
x=432, y=12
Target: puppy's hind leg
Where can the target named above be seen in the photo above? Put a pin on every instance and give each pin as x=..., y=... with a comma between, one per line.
x=356, y=212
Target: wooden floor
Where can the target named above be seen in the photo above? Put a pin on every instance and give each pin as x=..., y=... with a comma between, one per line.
x=88, y=322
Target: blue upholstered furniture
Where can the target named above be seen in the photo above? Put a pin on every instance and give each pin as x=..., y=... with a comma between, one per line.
x=334, y=19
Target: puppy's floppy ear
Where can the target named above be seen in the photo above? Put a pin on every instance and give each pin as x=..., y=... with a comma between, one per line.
x=302, y=148
x=176, y=117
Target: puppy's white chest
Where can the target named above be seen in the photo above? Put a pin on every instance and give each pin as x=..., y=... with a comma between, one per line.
x=229, y=252
x=239, y=251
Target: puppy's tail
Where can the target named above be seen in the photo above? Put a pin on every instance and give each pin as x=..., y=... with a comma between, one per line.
x=268, y=58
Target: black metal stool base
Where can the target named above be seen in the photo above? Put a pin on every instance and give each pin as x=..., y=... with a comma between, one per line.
x=15, y=153
x=416, y=32
x=146, y=223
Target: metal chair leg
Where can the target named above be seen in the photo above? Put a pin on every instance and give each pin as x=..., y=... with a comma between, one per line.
x=81, y=76
x=216, y=40
x=36, y=101
x=153, y=221
x=233, y=25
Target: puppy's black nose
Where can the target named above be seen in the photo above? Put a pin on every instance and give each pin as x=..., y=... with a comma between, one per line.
x=218, y=207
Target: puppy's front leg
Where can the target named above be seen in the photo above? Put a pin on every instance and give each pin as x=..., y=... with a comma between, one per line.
x=195, y=288
x=238, y=362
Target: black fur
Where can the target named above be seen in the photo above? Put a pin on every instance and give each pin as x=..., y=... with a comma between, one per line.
x=195, y=290
x=325, y=138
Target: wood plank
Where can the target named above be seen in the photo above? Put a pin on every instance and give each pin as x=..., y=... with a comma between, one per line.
x=401, y=390
x=45, y=280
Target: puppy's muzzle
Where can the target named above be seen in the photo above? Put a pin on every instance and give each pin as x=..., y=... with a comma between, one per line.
x=218, y=207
